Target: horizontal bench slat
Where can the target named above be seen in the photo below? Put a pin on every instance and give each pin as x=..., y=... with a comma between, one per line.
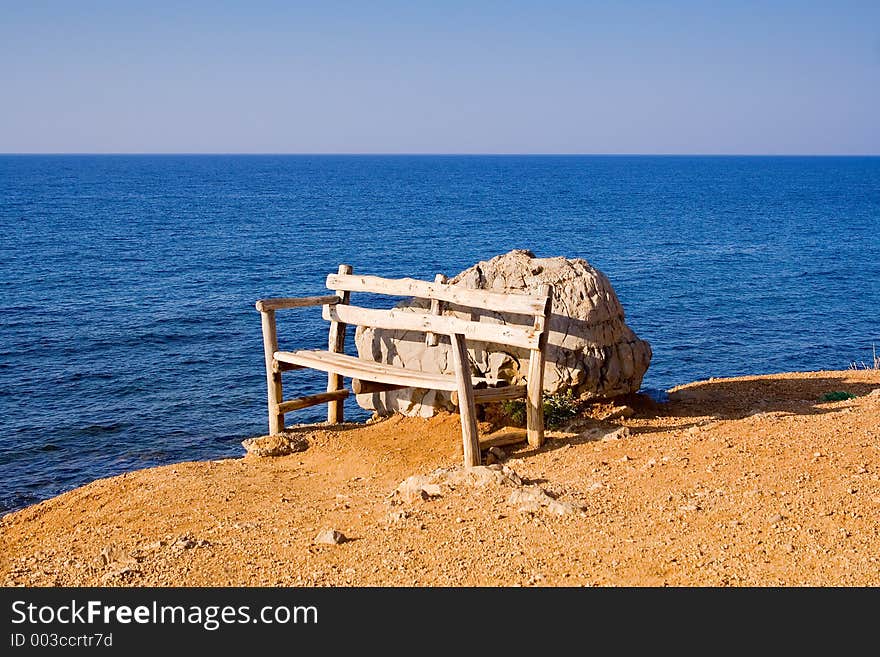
x=295, y=302
x=311, y=400
x=487, y=395
x=366, y=370
x=359, y=387
x=517, y=336
x=523, y=304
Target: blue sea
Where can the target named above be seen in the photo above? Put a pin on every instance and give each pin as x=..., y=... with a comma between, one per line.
x=129, y=338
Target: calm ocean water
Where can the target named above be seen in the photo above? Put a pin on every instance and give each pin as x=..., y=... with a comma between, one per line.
x=128, y=335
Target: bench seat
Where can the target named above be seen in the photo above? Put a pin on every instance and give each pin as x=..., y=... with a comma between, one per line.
x=366, y=370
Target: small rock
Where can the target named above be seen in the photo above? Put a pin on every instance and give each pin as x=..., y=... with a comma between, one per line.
x=625, y=458
x=534, y=498
x=776, y=517
x=529, y=499
x=689, y=507
x=617, y=434
x=277, y=445
x=117, y=572
x=417, y=487
x=560, y=508
x=433, y=490
x=483, y=475
x=330, y=537
x=114, y=558
x=184, y=543
x=511, y=477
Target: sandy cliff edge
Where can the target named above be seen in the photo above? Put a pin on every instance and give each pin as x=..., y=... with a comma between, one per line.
x=740, y=481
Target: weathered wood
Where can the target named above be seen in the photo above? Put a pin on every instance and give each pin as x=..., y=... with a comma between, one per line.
x=295, y=302
x=432, y=339
x=336, y=409
x=534, y=398
x=367, y=370
x=503, y=437
x=523, y=304
x=359, y=387
x=513, y=335
x=488, y=395
x=470, y=436
x=286, y=367
x=312, y=400
x=273, y=376
x=370, y=376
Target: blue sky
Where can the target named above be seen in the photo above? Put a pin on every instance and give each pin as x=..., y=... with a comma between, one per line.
x=444, y=77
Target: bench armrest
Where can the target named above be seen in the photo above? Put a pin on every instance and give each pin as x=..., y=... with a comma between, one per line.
x=279, y=303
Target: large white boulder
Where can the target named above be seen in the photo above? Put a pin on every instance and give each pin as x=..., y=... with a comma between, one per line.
x=591, y=350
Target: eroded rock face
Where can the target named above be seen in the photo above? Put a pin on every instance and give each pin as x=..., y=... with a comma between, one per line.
x=591, y=350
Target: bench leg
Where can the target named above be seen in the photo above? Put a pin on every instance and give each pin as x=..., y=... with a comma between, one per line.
x=535, y=400
x=535, y=388
x=336, y=409
x=466, y=407
x=273, y=374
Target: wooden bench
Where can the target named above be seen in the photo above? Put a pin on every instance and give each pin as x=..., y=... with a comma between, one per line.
x=369, y=376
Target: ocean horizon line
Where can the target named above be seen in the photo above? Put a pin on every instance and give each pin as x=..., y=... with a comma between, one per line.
x=420, y=154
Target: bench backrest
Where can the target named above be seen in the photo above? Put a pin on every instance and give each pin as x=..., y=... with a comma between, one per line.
x=535, y=306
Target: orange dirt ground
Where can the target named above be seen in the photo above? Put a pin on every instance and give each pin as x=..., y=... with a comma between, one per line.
x=744, y=481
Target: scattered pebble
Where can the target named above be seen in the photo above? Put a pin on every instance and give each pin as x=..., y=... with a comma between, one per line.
x=617, y=434
x=330, y=537
x=184, y=543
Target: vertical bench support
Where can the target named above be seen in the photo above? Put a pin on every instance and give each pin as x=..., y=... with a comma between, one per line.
x=466, y=407
x=432, y=339
x=273, y=373
x=534, y=398
x=336, y=409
